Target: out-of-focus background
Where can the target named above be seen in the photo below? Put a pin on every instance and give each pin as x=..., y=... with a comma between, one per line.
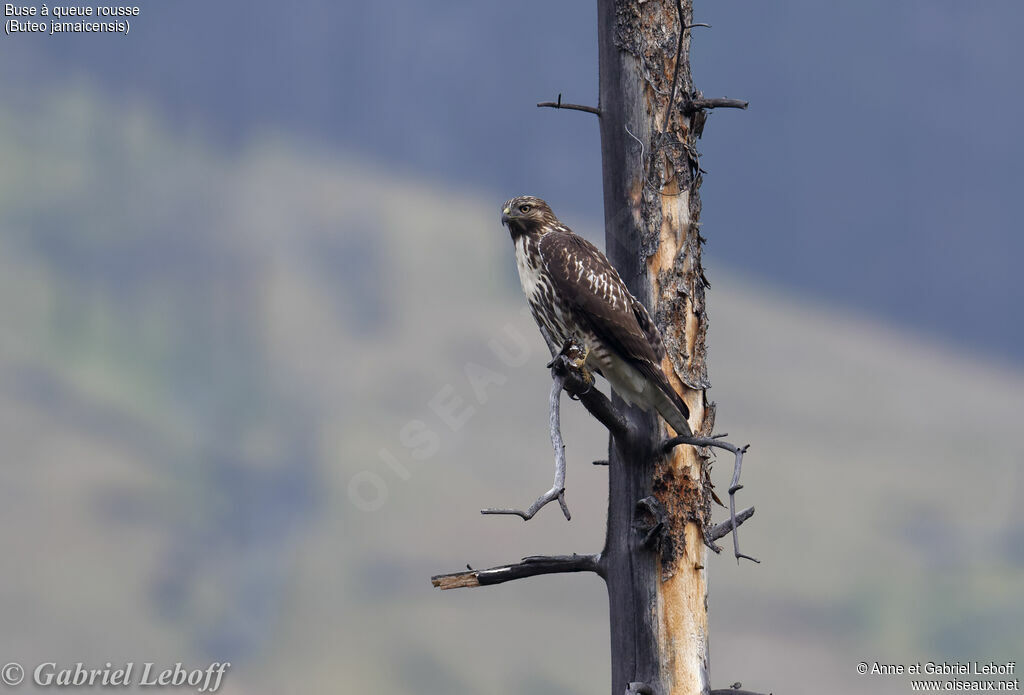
x=250, y=255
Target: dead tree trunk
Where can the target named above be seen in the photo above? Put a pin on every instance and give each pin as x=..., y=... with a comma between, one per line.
x=657, y=600
x=660, y=493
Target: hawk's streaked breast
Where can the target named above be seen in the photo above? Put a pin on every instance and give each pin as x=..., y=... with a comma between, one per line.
x=547, y=310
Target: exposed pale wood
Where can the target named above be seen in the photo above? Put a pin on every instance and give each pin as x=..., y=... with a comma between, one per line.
x=459, y=580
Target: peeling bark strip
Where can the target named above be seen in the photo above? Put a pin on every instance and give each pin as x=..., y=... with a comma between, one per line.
x=651, y=178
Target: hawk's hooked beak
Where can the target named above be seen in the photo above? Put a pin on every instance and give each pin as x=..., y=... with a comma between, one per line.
x=505, y=219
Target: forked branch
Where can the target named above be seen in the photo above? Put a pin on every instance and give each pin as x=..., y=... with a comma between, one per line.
x=557, y=491
x=568, y=373
x=734, y=487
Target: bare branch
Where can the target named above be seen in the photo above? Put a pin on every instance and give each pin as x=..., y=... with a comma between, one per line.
x=716, y=103
x=557, y=491
x=528, y=567
x=734, y=487
x=574, y=107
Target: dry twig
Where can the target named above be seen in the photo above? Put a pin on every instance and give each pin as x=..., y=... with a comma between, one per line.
x=574, y=107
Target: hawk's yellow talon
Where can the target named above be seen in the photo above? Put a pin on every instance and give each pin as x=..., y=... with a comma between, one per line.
x=580, y=362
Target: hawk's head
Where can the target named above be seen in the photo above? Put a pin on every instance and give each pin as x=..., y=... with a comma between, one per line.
x=528, y=215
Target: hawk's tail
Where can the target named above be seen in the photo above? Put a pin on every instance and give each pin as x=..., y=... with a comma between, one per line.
x=673, y=409
x=667, y=402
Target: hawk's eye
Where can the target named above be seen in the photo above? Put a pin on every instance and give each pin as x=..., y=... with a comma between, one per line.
x=524, y=209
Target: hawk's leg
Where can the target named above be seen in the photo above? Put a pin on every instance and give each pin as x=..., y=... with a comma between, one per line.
x=580, y=361
x=574, y=356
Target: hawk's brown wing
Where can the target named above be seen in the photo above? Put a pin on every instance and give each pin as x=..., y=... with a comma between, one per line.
x=646, y=324
x=583, y=276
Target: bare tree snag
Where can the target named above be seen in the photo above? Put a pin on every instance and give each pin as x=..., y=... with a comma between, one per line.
x=659, y=490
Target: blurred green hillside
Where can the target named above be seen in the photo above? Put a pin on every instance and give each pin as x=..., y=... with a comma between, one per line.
x=222, y=378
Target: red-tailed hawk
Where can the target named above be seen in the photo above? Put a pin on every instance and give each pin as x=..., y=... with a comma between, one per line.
x=574, y=292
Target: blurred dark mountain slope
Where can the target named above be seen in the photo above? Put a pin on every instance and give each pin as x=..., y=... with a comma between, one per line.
x=878, y=167
x=218, y=366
